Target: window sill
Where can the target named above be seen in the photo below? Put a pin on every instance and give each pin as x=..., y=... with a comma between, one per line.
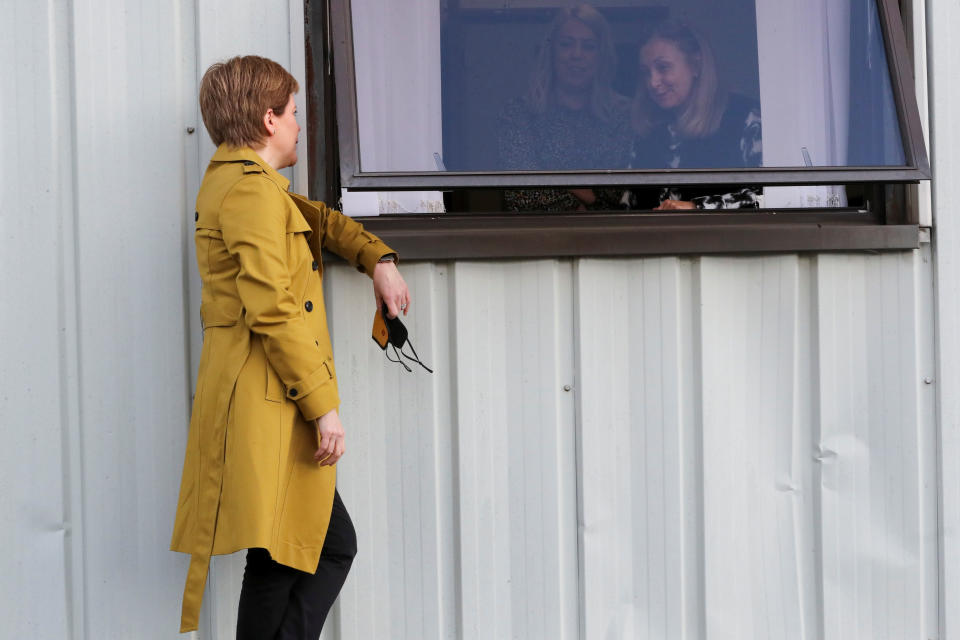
x=453, y=237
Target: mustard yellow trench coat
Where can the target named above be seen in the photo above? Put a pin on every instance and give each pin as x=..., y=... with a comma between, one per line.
x=266, y=371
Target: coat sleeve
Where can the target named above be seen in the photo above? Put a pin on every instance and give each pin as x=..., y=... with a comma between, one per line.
x=254, y=229
x=348, y=239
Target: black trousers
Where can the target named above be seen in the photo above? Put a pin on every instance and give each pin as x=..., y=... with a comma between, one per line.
x=280, y=603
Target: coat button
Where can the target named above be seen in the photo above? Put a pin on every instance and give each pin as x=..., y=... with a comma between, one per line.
x=293, y=393
x=315, y=265
x=196, y=216
x=308, y=306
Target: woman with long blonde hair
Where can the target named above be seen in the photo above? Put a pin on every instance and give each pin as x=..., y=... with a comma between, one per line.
x=570, y=118
x=684, y=119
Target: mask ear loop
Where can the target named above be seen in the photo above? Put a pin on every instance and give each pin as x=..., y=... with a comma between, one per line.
x=415, y=357
x=398, y=360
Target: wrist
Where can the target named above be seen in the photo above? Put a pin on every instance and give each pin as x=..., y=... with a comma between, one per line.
x=328, y=415
x=384, y=268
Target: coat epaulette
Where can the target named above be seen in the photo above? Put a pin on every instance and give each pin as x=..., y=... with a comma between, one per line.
x=251, y=167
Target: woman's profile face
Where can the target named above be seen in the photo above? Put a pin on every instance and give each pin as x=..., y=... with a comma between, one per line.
x=286, y=134
x=576, y=55
x=668, y=74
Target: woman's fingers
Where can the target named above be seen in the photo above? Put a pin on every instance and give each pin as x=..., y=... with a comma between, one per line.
x=324, y=450
x=674, y=205
x=330, y=451
x=401, y=303
x=393, y=307
x=331, y=457
x=331, y=445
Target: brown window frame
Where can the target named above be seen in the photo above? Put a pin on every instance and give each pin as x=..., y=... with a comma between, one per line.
x=887, y=224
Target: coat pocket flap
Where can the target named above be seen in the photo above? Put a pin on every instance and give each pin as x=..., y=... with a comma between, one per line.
x=219, y=315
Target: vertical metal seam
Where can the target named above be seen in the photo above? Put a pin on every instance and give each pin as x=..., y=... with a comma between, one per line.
x=696, y=422
x=71, y=353
x=72, y=411
x=578, y=446
x=929, y=14
x=184, y=226
x=456, y=516
x=816, y=433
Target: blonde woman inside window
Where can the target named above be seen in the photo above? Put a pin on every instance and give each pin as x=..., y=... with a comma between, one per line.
x=683, y=119
x=570, y=118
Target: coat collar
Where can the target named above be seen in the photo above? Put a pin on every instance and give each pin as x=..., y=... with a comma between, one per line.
x=226, y=153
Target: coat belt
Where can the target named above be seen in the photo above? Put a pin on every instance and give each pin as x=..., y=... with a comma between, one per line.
x=230, y=346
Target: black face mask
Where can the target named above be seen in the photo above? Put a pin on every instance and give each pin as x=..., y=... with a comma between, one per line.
x=390, y=332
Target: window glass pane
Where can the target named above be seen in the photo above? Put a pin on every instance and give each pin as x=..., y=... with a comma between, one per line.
x=529, y=85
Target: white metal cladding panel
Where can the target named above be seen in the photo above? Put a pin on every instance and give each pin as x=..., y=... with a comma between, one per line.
x=639, y=459
x=94, y=363
x=758, y=493
x=746, y=451
x=944, y=68
x=130, y=137
x=37, y=365
x=465, y=477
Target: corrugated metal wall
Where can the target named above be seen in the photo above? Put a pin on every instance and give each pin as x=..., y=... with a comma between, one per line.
x=655, y=448
x=747, y=450
x=640, y=448
x=94, y=376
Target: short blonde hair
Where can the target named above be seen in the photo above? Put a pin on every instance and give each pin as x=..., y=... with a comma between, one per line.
x=701, y=114
x=235, y=95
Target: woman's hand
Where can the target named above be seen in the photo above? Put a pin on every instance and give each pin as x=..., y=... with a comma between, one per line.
x=674, y=205
x=331, y=435
x=389, y=288
x=586, y=197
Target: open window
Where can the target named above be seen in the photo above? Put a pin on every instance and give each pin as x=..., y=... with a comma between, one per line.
x=451, y=108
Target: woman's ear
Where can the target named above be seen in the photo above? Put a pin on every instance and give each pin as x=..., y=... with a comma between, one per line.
x=696, y=64
x=268, y=122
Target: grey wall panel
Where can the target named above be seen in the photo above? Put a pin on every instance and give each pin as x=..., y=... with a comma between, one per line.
x=129, y=198
x=944, y=66
x=37, y=320
x=516, y=443
x=758, y=510
x=396, y=478
x=462, y=483
x=751, y=434
x=639, y=450
x=873, y=527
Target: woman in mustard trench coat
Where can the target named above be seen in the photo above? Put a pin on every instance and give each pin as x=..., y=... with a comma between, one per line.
x=259, y=471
